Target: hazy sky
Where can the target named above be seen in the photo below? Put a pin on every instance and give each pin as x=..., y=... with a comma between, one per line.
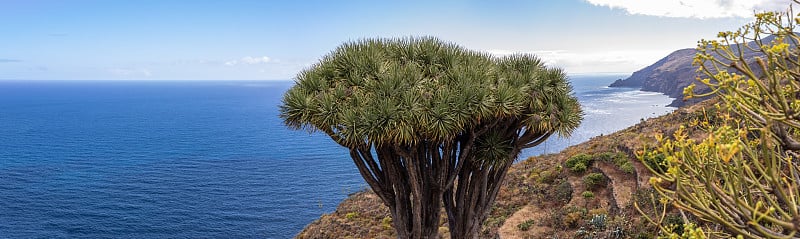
x=255, y=40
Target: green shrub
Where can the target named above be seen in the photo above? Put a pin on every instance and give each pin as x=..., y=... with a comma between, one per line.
x=572, y=219
x=579, y=162
x=618, y=159
x=594, y=180
x=351, y=215
x=655, y=161
x=674, y=222
x=526, y=225
x=577, y=159
x=578, y=168
x=587, y=194
x=644, y=235
x=607, y=156
x=566, y=217
x=547, y=176
x=563, y=192
x=627, y=167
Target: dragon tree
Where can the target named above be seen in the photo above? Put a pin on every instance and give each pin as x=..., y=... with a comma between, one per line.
x=430, y=124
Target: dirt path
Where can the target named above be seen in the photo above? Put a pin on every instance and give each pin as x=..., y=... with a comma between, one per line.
x=577, y=189
x=509, y=229
x=620, y=183
x=642, y=174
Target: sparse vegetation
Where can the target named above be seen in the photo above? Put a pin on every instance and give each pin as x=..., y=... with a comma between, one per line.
x=620, y=160
x=674, y=223
x=655, y=161
x=594, y=181
x=524, y=226
x=387, y=222
x=573, y=219
x=587, y=194
x=579, y=163
x=547, y=176
x=627, y=167
x=598, y=221
x=563, y=192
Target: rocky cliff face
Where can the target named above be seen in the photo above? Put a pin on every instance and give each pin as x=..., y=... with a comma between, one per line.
x=675, y=71
x=669, y=76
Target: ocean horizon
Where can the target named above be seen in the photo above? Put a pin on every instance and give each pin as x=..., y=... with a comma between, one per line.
x=154, y=159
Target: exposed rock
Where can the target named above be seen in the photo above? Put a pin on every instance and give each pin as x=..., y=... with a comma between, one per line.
x=668, y=76
x=675, y=71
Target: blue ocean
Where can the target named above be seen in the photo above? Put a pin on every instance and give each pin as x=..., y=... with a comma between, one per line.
x=195, y=159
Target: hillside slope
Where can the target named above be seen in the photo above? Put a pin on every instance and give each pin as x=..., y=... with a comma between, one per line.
x=542, y=197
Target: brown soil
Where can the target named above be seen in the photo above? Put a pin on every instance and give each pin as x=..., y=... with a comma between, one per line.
x=642, y=174
x=511, y=230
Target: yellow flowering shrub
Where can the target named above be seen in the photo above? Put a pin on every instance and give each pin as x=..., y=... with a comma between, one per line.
x=743, y=177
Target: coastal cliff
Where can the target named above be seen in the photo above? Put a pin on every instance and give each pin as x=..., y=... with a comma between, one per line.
x=668, y=76
x=673, y=73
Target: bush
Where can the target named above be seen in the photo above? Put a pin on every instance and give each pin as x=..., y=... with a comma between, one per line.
x=594, y=180
x=563, y=192
x=655, y=161
x=547, y=176
x=618, y=159
x=578, y=158
x=351, y=215
x=526, y=225
x=579, y=162
x=572, y=219
x=674, y=222
x=608, y=156
x=587, y=194
x=627, y=167
x=578, y=168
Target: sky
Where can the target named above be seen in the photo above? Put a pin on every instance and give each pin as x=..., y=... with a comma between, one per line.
x=274, y=40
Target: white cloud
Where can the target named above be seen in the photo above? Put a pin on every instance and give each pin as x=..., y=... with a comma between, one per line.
x=695, y=8
x=249, y=60
x=626, y=61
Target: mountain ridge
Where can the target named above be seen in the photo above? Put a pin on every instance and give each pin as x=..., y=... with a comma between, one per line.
x=671, y=74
